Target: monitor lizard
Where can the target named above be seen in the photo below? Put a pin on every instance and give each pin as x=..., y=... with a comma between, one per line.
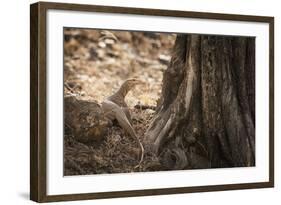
x=115, y=107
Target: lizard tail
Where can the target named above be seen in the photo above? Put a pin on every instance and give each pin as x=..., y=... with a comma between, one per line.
x=122, y=119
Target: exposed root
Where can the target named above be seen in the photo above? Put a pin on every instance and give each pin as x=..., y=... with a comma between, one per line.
x=142, y=154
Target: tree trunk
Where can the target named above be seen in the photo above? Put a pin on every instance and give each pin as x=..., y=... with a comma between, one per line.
x=206, y=115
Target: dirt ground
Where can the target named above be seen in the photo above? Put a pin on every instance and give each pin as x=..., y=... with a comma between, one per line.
x=96, y=63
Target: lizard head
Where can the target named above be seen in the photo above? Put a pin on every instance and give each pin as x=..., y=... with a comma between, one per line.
x=128, y=85
x=132, y=82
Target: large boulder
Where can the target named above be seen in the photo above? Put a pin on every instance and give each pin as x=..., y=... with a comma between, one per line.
x=85, y=120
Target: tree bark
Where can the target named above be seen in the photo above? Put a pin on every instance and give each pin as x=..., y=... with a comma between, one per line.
x=206, y=114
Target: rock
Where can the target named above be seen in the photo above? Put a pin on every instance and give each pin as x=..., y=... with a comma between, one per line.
x=123, y=36
x=108, y=35
x=109, y=41
x=149, y=111
x=101, y=44
x=164, y=59
x=85, y=119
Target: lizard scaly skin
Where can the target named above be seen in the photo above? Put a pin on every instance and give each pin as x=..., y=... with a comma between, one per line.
x=115, y=107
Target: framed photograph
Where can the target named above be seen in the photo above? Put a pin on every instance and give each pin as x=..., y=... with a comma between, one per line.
x=134, y=102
